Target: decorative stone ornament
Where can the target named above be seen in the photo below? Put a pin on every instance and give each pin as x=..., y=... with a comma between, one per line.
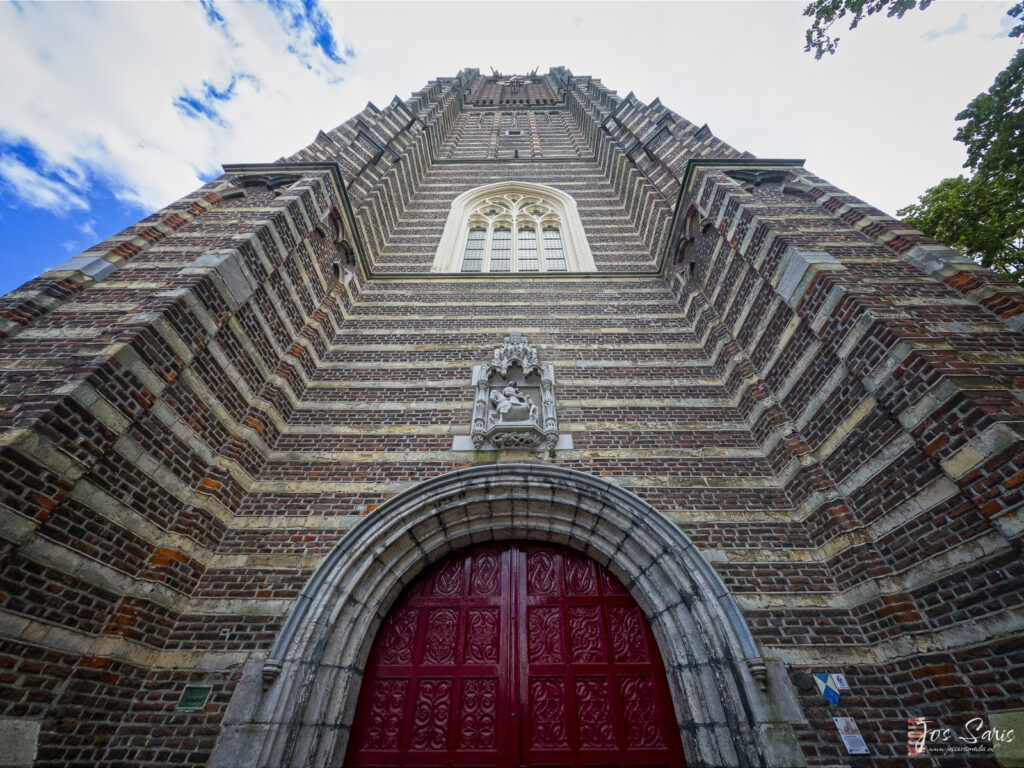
x=515, y=399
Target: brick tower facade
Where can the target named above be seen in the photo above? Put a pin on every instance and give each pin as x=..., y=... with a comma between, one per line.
x=234, y=432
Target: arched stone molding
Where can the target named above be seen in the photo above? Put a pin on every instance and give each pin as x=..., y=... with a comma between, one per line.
x=314, y=671
x=562, y=211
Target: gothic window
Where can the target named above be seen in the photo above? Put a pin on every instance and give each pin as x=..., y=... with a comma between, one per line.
x=527, y=249
x=554, y=256
x=473, y=258
x=514, y=227
x=501, y=250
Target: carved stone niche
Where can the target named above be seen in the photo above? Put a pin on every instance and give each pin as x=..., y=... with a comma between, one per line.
x=514, y=405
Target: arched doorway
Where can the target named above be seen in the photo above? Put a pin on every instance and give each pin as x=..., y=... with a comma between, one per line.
x=301, y=713
x=515, y=654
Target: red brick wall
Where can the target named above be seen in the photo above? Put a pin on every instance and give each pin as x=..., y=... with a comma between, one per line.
x=180, y=455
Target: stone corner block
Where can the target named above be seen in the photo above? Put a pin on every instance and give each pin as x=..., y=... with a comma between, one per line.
x=239, y=745
x=462, y=443
x=797, y=269
x=932, y=259
x=779, y=745
x=784, y=702
x=20, y=738
x=95, y=267
x=248, y=692
x=228, y=264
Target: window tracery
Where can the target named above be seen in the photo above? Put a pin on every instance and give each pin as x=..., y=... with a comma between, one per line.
x=513, y=227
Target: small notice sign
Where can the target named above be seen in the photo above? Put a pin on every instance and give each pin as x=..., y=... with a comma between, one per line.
x=850, y=734
x=841, y=684
x=193, y=699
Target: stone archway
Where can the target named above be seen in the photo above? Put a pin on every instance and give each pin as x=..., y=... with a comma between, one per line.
x=314, y=671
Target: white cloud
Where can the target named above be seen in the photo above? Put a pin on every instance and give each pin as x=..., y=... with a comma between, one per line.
x=954, y=29
x=37, y=190
x=94, y=86
x=88, y=228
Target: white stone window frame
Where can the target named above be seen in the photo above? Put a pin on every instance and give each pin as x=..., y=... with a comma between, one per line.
x=536, y=204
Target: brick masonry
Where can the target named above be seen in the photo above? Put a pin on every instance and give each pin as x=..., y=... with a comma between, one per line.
x=197, y=410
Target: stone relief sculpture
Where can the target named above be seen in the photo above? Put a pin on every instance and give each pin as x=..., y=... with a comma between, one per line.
x=515, y=399
x=512, y=405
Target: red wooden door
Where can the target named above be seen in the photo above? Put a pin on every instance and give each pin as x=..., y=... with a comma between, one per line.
x=515, y=655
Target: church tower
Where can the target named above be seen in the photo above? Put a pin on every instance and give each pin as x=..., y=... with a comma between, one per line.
x=516, y=423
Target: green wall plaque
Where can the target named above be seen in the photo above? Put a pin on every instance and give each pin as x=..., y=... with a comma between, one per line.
x=193, y=699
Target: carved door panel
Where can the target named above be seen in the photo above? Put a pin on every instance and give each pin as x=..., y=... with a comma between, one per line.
x=437, y=687
x=515, y=655
x=592, y=685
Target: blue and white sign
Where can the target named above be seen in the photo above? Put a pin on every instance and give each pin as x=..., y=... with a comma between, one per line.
x=827, y=687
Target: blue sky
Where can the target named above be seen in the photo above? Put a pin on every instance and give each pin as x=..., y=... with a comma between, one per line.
x=113, y=110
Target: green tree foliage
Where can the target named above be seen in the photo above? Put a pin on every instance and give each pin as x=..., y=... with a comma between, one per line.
x=994, y=131
x=827, y=12
x=982, y=216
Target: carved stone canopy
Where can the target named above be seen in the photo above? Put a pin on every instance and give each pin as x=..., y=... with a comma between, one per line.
x=789, y=183
x=755, y=177
x=276, y=182
x=515, y=399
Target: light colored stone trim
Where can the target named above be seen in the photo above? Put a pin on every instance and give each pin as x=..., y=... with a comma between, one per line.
x=52, y=637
